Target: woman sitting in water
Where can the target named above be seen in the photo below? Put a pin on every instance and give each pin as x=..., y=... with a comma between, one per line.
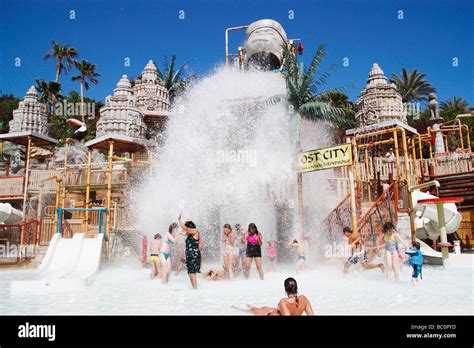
x=291, y=305
x=214, y=274
x=165, y=252
x=254, y=241
x=193, y=250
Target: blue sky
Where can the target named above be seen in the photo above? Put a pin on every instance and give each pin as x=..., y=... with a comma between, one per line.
x=105, y=32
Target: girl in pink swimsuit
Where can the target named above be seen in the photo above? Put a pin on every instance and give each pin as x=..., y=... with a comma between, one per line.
x=254, y=241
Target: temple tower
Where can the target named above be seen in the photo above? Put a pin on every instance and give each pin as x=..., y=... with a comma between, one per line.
x=120, y=115
x=31, y=115
x=379, y=101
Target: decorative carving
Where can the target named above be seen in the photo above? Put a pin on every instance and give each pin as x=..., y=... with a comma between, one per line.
x=379, y=100
x=31, y=115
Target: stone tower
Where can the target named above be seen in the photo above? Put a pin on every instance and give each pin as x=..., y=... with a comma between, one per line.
x=31, y=115
x=120, y=115
x=379, y=101
x=151, y=96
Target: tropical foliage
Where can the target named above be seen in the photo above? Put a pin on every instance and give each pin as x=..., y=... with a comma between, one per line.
x=8, y=103
x=305, y=96
x=88, y=74
x=413, y=86
x=49, y=93
x=450, y=108
x=175, y=79
x=64, y=56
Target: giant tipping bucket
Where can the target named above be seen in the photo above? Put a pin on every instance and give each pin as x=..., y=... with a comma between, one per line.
x=263, y=48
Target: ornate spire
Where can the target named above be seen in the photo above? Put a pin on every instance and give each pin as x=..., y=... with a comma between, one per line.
x=376, y=77
x=150, y=72
x=31, y=115
x=379, y=101
x=124, y=87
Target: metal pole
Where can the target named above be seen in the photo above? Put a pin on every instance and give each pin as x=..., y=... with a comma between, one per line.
x=88, y=188
x=397, y=157
x=442, y=233
x=367, y=173
x=27, y=172
x=460, y=134
x=411, y=211
x=413, y=154
x=109, y=186
x=352, y=188
x=58, y=194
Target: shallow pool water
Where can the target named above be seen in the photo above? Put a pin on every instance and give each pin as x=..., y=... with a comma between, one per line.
x=127, y=289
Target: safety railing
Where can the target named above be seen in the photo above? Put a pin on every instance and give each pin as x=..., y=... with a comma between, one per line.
x=11, y=186
x=381, y=211
x=18, y=242
x=37, y=180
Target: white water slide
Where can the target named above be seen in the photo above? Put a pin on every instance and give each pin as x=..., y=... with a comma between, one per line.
x=426, y=221
x=68, y=262
x=427, y=217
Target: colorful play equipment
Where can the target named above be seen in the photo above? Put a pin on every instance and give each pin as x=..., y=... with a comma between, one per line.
x=441, y=220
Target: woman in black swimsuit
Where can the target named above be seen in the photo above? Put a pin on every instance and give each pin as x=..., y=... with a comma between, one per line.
x=193, y=251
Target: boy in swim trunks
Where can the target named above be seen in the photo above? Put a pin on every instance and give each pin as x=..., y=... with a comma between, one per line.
x=154, y=256
x=358, y=254
x=301, y=257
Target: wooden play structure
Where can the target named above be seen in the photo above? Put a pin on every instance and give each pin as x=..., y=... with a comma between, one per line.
x=391, y=159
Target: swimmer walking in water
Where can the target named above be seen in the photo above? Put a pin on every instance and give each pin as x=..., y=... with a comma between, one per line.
x=254, y=241
x=154, y=256
x=193, y=250
x=301, y=257
x=228, y=243
x=165, y=252
x=293, y=304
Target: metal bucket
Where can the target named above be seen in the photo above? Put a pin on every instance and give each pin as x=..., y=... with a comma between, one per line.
x=263, y=48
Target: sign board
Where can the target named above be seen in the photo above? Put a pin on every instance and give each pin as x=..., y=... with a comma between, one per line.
x=325, y=158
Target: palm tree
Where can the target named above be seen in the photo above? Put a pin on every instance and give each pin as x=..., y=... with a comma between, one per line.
x=412, y=86
x=450, y=108
x=303, y=93
x=49, y=93
x=173, y=80
x=88, y=72
x=62, y=53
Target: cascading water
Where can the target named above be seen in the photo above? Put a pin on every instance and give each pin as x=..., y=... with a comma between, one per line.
x=227, y=154
x=228, y=158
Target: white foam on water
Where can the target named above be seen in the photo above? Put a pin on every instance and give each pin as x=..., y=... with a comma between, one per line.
x=127, y=289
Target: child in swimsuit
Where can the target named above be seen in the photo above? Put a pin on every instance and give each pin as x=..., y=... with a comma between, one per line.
x=391, y=240
x=154, y=253
x=359, y=255
x=416, y=261
x=301, y=256
x=228, y=242
x=165, y=252
x=271, y=250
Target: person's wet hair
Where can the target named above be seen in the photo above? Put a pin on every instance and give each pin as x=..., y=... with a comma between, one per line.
x=228, y=226
x=157, y=236
x=189, y=224
x=416, y=245
x=291, y=288
x=172, y=227
x=347, y=230
x=387, y=227
x=253, y=228
x=295, y=241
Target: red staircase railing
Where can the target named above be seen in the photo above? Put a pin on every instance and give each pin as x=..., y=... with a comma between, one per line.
x=18, y=242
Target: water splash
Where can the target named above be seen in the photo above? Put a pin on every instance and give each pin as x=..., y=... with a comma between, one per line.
x=228, y=155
